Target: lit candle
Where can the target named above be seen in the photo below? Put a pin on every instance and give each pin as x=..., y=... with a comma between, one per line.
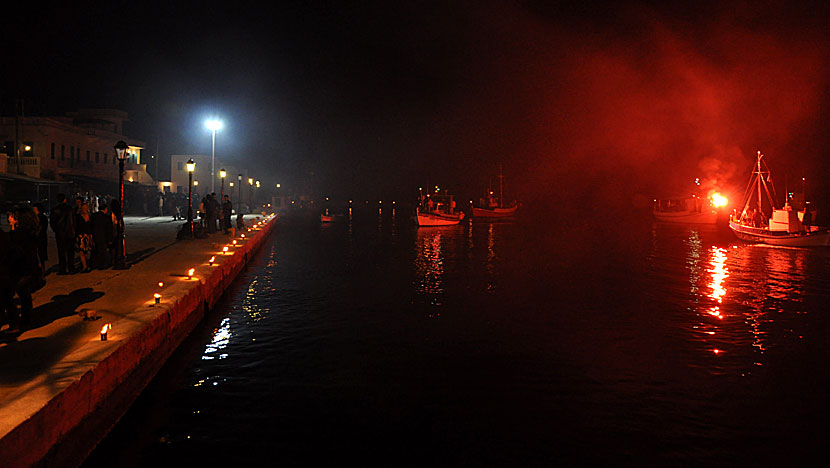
x=157, y=296
x=190, y=273
x=210, y=262
x=234, y=242
x=243, y=235
x=104, y=330
x=161, y=285
x=225, y=250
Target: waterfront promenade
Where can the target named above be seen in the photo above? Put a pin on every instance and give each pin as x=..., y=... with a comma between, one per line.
x=59, y=373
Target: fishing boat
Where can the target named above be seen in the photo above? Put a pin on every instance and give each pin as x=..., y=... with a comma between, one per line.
x=493, y=207
x=789, y=226
x=437, y=209
x=688, y=210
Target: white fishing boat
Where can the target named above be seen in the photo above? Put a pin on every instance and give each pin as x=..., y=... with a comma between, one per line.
x=789, y=226
x=437, y=209
x=492, y=207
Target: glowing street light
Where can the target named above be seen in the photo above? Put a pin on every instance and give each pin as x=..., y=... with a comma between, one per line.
x=222, y=174
x=191, y=166
x=239, y=198
x=213, y=125
x=121, y=255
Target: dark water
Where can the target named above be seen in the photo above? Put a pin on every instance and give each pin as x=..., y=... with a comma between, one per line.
x=539, y=342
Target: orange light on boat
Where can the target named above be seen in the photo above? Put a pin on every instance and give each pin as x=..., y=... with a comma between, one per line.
x=157, y=297
x=104, y=330
x=719, y=200
x=190, y=273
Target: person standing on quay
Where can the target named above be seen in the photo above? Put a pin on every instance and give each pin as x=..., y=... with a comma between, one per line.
x=102, y=237
x=62, y=220
x=43, y=235
x=26, y=274
x=83, y=237
x=227, y=210
x=6, y=285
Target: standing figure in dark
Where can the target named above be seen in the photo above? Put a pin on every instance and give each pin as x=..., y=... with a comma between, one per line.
x=227, y=210
x=62, y=219
x=102, y=237
x=26, y=273
x=83, y=237
x=212, y=208
x=43, y=235
x=6, y=285
x=115, y=215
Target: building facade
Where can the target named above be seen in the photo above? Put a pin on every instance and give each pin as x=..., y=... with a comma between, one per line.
x=77, y=145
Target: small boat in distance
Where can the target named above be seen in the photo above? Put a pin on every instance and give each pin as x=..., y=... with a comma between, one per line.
x=788, y=226
x=689, y=210
x=437, y=209
x=495, y=207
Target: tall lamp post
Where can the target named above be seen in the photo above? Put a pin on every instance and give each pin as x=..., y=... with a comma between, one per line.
x=213, y=125
x=191, y=166
x=257, y=194
x=239, y=202
x=222, y=175
x=250, y=193
x=121, y=255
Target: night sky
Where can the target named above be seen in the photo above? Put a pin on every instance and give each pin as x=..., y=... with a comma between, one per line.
x=592, y=102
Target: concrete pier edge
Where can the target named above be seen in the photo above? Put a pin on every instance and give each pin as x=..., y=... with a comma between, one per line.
x=66, y=430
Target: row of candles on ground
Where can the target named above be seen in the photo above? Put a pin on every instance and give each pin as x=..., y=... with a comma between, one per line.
x=157, y=296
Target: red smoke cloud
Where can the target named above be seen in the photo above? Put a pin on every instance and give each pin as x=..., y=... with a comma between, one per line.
x=663, y=100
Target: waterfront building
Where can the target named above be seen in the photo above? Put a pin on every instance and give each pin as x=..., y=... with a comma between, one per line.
x=72, y=150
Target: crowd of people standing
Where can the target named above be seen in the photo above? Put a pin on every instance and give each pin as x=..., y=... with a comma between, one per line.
x=89, y=232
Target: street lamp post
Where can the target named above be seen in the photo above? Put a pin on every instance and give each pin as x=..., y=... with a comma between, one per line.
x=121, y=255
x=239, y=202
x=257, y=193
x=222, y=175
x=213, y=125
x=250, y=192
x=191, y=166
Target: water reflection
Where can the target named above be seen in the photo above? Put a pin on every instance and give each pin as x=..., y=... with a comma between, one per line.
x=744, y=296
x=429, y=265
x=220, y=340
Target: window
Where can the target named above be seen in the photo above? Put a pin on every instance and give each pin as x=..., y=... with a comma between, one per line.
x=180, y=166
x=87, y=155
x=63, y=152
x=97, y=157
x=105, y=158
x=52, y=152
x=71, y=153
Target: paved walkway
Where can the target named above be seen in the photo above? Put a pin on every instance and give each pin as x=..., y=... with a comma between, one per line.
x=60, y=347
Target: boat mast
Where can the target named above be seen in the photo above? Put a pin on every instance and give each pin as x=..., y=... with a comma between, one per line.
x=501, y=188
x=759, y=179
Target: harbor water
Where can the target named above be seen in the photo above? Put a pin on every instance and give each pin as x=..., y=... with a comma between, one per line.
x=371, y=342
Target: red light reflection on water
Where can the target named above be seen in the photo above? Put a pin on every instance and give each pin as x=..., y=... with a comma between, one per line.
x=429, y=265
x=718, y=271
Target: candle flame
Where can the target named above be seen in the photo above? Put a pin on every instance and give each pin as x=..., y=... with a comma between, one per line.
x=106, y=328
x=190, y=272
x=161, y=284
x=157, y=295
x=212, y=259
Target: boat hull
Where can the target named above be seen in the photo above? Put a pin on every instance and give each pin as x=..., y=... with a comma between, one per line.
x=815, y=238
x=494, y=212
x=686, y=217
x=433, y=219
